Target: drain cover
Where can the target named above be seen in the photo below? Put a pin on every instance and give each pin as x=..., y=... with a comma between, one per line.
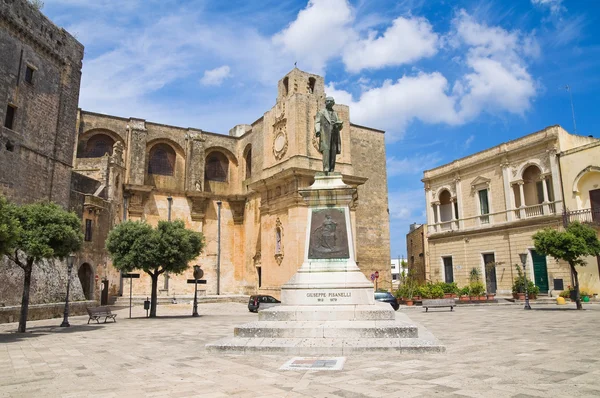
x=302, y=363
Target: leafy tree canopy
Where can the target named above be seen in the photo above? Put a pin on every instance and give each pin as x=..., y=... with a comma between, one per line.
x=169, y=247
x=10, y=228
x=571, y=245
x=48, y=231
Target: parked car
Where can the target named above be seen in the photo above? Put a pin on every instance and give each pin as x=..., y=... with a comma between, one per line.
x=262, y=301
x=387, y=297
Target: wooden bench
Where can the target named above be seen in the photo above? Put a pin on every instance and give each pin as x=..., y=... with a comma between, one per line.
x=438, y=303
x=96, y=313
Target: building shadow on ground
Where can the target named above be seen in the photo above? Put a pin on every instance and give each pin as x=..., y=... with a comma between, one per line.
x=11, y=336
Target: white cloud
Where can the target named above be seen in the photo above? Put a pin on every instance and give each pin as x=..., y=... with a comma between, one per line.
x=318, y=34
x=407, y=205
x=469, y=141
x=406, y=41
x=215, y=77
x=496, y=80
x=412, y=165
x=555, y=6
x=499, y=80
x=394, y=105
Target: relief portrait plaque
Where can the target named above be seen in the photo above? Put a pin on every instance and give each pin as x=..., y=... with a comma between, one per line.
x=328, y=236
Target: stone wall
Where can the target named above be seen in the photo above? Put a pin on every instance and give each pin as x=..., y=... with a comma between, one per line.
x=43, y=134
x=416, y=253
x=48, y=283
x=45, y=311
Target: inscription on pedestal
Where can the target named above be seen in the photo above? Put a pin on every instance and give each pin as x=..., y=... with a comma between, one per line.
x=328, y=235
x=328, y=297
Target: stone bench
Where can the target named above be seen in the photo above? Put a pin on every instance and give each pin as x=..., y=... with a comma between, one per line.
x=96, y=313
x=438, y=303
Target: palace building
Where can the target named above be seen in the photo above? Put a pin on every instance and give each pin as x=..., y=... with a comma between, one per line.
x=483, y=209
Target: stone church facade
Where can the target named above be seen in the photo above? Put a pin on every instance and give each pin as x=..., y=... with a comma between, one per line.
x=127, y=168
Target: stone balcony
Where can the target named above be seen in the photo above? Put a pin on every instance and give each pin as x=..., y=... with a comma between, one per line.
x=498, y=218
x=585, y=216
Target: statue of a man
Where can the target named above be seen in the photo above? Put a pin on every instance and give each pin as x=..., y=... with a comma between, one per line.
x=327, y=128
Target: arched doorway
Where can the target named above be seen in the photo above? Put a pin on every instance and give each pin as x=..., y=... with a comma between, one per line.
x=86, y=277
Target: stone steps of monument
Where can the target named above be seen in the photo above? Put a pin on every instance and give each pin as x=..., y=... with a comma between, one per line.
x=324, y=346
x=376, y=312
x=329, y=329
x=329, y=337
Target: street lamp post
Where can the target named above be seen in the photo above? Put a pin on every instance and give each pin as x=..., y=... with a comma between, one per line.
x=198, y=274
x=219, y=203
x=523, y=257
x=70, y=260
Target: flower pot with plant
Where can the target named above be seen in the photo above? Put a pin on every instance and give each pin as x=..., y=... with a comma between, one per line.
x=464, y=293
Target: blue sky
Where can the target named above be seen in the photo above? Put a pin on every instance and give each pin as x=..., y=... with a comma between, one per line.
x=445, y=79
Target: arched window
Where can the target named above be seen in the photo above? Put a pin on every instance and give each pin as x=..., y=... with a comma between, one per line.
x=97, y=146
x=311, y=84
x=162, y=160
x=248, y=160
x=216, y=167
x=445, y=206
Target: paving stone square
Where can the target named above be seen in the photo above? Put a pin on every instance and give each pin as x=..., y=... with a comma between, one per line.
x=492, y=351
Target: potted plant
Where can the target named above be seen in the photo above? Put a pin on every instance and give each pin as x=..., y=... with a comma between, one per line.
x=490, y=296
x=450, y=289
x=585, y=296
x=518, y=288
x=464, y=294
x=532, y=290
x=477, y=290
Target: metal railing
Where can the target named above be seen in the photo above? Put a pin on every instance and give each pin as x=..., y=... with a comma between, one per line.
x=584, y=216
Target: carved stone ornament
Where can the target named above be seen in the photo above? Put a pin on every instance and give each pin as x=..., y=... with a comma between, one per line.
x=237, y=208
x=278, y=241
x=280, y=143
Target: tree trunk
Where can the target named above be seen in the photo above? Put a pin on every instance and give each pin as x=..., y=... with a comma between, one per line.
x=576, y=281
x=25, y=300
x=154, y=294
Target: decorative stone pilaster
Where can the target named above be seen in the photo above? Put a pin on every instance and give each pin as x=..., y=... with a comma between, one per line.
x=199, y=203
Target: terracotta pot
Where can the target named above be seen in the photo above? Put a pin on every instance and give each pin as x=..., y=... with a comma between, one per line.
x=464, y=298
x=408, y=302
x=532, y=296
x=482, y=298
x=521, y=296
x=417, y=298
x=490, y=296
x=447, y=295
x=515, y=296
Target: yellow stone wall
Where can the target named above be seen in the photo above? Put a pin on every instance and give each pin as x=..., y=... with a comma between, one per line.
x=252, y=206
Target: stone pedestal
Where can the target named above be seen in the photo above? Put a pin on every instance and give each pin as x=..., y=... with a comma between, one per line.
x=329, y=274
x=328, y=306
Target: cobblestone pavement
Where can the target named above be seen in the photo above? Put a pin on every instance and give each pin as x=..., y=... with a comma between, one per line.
x=495, y=351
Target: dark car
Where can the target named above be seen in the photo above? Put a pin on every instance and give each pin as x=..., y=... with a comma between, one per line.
x=387, y=297
x=262, y=301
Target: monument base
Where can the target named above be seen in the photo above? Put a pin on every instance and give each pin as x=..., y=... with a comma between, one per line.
x=329, y=330
x=328, y=306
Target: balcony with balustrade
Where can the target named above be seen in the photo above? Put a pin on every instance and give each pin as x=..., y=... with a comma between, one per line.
x=590, y=216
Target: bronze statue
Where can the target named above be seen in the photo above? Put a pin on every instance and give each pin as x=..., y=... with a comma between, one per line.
x=327, y=128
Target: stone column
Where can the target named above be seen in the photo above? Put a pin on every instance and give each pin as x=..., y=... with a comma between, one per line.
x=522, y=196
x=508, y=197
x=546, y=202
x=437, y=212
x=556, y=181
x=452, y=203
x=136, y=167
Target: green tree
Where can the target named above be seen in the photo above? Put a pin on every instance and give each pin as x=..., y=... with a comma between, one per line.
x=46, y=231
x=571, y=245
x=10, y=228
x=167, y=248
